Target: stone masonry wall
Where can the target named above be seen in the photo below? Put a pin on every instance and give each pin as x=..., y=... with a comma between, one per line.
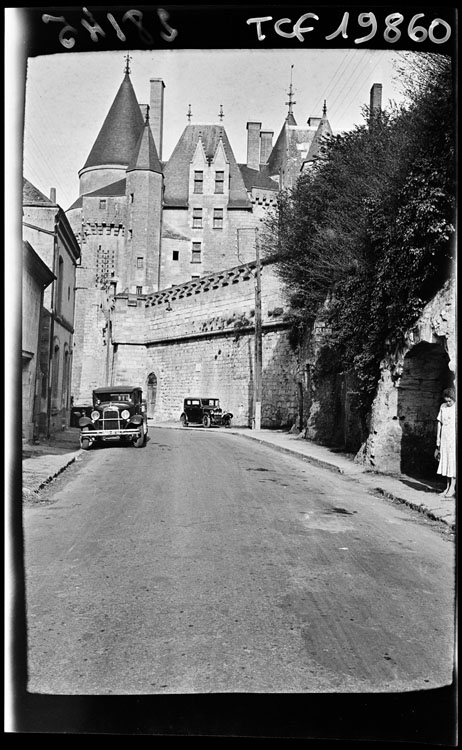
x=403, y=420
x=204, y=346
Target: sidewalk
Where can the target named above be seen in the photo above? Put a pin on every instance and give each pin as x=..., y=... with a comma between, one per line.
x=43, y=462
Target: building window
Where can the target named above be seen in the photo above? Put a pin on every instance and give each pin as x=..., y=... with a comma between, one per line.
x=198, y=182
x=219, y=182
x=175, y=255
x=196, y=252
x=218, y=218
x=197, y=218
x=102, y=204
x=132, y=197
x=130, y=234
x=140, y=262
x=139, y=290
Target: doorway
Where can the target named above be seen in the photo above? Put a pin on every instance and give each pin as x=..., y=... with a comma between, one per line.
x=425, y=375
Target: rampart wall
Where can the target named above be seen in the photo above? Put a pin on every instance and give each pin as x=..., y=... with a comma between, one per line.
x=198, y=339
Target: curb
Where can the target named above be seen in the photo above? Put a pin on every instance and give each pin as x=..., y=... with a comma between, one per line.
x=297, y=454
x=53, y=475
x=421, y=508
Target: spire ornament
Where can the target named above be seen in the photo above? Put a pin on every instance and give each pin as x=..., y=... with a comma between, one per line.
x=221, y=114
x=290, y=93
x=189, y=114
x=324, y=109
x=127, y=63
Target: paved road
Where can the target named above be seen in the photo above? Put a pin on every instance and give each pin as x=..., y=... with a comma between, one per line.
x=207, y=563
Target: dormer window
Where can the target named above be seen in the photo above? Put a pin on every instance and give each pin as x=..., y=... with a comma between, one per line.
x=102, y=204
x=198, y=182
x=219, y=182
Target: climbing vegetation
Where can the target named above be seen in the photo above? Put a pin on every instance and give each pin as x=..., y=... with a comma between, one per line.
x=367, y=233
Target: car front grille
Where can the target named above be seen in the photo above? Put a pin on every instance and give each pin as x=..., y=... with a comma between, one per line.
x=110, y=420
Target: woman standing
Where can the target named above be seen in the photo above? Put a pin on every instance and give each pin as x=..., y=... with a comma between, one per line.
x=446, y=441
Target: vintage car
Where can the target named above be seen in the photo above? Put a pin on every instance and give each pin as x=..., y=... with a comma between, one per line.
x=204, y=411
x=118, y=414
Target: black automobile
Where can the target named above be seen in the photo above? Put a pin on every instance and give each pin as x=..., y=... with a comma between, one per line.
x=118, y=414
x=204, y=411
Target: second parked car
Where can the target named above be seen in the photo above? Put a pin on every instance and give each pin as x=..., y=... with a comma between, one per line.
x=204, y=411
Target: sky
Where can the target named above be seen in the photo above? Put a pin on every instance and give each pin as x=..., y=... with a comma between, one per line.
x=68, y=96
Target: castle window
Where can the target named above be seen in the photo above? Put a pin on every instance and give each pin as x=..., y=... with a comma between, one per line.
x=140, y=262
x=198, y=182
x=196, y=252
x=130, y=234
x=175, y=255
x=102, y=204
x=197, y=218
x=132, y=197
x=219, y=182
x=139, y=290
x=218, y=218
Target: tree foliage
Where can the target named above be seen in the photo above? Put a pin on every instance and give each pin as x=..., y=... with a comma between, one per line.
x=371, y=224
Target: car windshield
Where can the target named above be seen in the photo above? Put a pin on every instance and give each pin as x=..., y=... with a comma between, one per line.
x=210, y=402
x=103, y=398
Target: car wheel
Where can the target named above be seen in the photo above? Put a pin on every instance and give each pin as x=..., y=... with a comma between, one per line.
x=206, y=420
x=227, y=422
x=183, y=420
x=139, y=442
x=85, y=444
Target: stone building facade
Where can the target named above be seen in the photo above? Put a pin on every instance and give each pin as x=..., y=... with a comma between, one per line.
x=36, y=277
x=47, y=229
x=148, y=226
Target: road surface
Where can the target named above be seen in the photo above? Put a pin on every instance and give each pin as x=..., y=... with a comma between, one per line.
x=206, y=562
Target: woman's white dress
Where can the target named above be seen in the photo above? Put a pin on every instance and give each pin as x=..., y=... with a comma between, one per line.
x=447, y=463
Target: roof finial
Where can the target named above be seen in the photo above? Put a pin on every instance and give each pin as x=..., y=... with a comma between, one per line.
x=324, y=109
x=147, y=114
x=127, y=63
x=290, y=103
x=221, y=115
x=189, y=115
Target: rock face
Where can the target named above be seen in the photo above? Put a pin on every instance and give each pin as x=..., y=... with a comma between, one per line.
x=403, y=417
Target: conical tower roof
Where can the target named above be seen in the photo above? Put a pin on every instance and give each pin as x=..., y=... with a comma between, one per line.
x=145, y=154
x=119, y=135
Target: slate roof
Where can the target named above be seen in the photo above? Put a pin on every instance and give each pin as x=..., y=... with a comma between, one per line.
x=32, y=196
x=254, y=178
x=120, y=132
x=324, y=129
x=145, y=155
x=107, y=191
x=292, y=134
x=177, y=168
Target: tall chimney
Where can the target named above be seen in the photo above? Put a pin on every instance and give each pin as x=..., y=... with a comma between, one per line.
x=156, y=112
x=266, y=145
x=253, y=145
x=53, y=195
x=376, y=99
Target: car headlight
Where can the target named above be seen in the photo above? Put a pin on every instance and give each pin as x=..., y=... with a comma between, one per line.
x=94, y=415
x=125, y=414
